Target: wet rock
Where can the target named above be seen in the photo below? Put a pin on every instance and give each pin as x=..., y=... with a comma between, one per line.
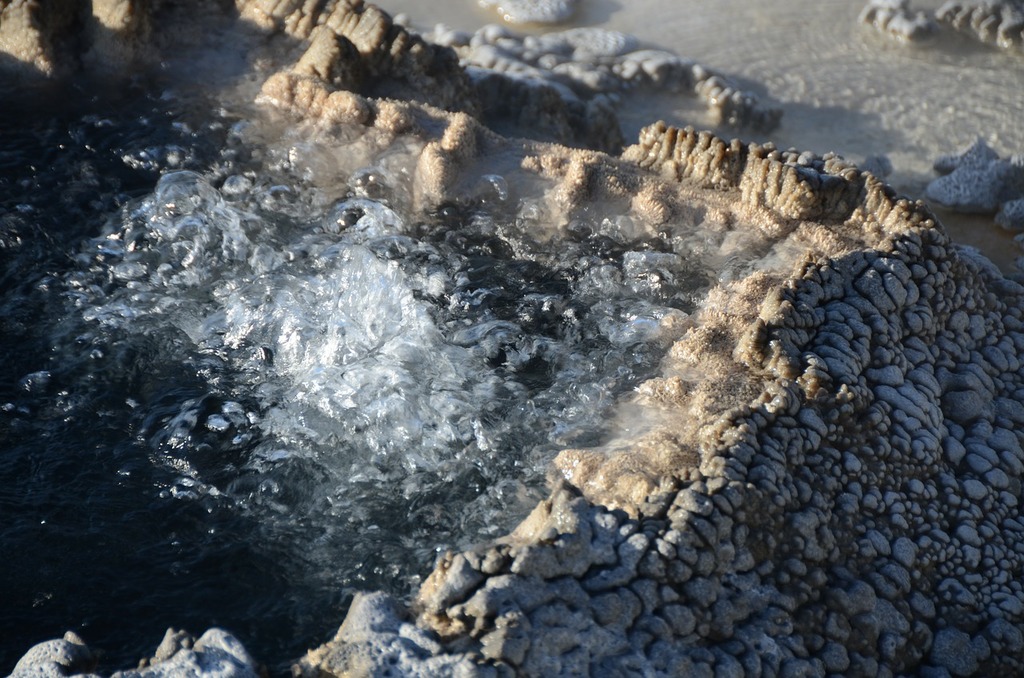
x=994, y=22
x=377, y=635
x=954, y=651
x=767, y=467
x=216, y=653
x=64, y=657
x=897, y=19
x=832, y=477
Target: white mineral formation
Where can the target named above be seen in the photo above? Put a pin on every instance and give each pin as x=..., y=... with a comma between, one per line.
x=994, y=22
x=897, y=19
x=62, y=657
x=215, y=654
x=978, y=180
x=563, y=86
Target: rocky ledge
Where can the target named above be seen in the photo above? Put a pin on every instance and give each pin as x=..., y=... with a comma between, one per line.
x=999, y=23
x=833, y=486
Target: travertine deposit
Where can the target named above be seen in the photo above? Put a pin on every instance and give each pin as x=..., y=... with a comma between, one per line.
x=977, y=180
x=216, y=653
x=102, y=36
x=896, y=18
x=994, y=22
x=833, y=479
x=834, y=489
x=579, y=74
x=999, y=23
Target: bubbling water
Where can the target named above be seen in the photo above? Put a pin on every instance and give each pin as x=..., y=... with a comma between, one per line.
x=262, y=385
x=381, y=385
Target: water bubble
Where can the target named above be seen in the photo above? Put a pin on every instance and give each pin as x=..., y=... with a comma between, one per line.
x=182, y=193
x=492, y=189
x=217, y=423
x=364, y=217
x=236, y=185
x=36, y=382
x=324, y=369
x=374, y=183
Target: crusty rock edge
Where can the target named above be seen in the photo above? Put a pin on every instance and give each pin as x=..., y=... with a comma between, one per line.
x=837, y=491
x=999, y=23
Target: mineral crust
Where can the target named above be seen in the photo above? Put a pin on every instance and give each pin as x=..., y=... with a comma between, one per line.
x=994, y=22
x=978, y=180
x=897, y=19
x=588, y=69
x=215, y=654
x=836, y=491
x=999, y=23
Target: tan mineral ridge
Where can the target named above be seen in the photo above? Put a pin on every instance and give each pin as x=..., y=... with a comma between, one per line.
x=843, y=87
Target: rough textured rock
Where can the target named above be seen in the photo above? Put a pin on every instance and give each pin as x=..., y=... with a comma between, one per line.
x=978, y=180
x=31, y=33
x=215, y=653
x=105, y=37
x=64, y=657
x=994, y=22
x=897, y=19
x=357, y=47
x=564, y=86
x=835, y=489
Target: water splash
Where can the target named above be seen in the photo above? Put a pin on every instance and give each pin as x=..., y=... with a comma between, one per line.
x=272, y=391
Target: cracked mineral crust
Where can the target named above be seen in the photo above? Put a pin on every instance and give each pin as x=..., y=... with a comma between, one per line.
x=836, y=489
x=993, y=22
x=835, y=485
x=896, y=18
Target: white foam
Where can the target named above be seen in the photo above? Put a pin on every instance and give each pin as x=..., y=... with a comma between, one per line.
x=368, y=376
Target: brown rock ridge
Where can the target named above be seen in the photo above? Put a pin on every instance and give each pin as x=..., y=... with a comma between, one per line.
x=357, y=47
x=54, y=38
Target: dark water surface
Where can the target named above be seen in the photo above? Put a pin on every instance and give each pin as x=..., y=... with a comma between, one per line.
x=229, y=397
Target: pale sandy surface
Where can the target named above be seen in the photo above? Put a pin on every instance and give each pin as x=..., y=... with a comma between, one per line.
x=843, y=87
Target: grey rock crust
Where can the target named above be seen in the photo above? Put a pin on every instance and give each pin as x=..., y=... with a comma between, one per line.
x=896, y=18
x=999, y=23
x=993, y=22
x=850, y=500
x=588, y=70
x=978, y=180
